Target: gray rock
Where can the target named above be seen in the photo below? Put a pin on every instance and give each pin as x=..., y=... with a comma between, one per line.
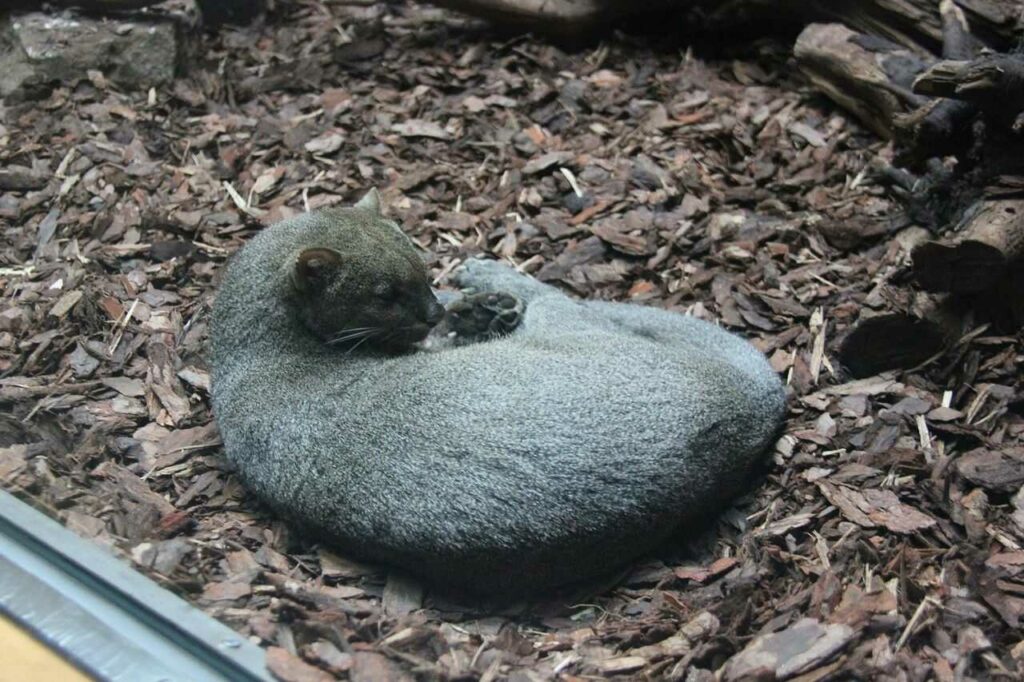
x=37, y=48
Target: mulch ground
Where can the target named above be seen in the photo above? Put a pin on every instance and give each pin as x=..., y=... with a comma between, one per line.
x=885, y=541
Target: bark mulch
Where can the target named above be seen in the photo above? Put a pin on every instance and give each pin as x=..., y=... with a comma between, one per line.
x=885, y=541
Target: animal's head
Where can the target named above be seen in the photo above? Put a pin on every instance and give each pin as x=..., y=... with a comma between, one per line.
x=360, y=281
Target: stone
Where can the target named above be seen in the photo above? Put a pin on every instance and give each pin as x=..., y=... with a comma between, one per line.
x=38, y=48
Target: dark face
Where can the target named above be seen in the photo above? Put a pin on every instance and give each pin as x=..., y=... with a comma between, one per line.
x=385, y=305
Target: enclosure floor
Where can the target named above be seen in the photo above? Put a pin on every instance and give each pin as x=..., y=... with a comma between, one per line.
x=714, y=185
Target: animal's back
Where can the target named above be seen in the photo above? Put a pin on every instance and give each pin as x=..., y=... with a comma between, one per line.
x=537, y=440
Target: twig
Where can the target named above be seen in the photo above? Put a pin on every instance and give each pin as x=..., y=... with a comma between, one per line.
x=12, y=393
x=913, y=621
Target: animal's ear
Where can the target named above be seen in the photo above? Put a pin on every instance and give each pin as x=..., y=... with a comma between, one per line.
x=314, y=269
x=371, y=202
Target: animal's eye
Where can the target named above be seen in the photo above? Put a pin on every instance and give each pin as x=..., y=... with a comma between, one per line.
x=384, y=290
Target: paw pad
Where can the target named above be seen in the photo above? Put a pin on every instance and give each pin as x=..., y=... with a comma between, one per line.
x=484, y=316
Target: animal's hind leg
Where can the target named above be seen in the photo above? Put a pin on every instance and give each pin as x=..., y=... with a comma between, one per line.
x=481, y=275
x=661, y=325
x=723, y=362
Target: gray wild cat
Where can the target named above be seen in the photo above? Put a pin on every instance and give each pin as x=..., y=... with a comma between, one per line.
x=557, y=447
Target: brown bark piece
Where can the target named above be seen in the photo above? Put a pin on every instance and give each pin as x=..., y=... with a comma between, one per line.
x=328, y=655
x=999, y=585
x=288, y=667
x=800, y=648
x=871, y=508
x=702, y=574
x=372, y=667
x=225, y=591
x=996, y=470
x=620, y=666
x=857, y=608
x=20, y=179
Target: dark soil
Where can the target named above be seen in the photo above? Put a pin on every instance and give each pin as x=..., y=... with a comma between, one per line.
x=885, y=541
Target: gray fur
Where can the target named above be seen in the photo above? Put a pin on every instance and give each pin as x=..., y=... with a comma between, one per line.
x=557, y=453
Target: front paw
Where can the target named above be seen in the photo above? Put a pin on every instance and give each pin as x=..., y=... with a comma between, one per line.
x=479, y=317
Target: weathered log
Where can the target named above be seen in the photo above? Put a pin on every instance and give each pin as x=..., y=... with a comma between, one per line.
x=557, y=18
x=869, y=77
x=937, y=129
x=942, y=127
x=957, y=41
x=214, y=12
x=88, y=5
x=990, y=240
x=995, y=82
x=905, y=339
x=914, y=24
x=568, y=12
x=1003, y=304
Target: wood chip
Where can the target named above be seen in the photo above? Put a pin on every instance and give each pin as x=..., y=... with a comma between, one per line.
x=420, y=128
x=873, y=507
x=546, y=162
x=620, y=666
x=998, y=470
x=806, y=645
x=288, y=667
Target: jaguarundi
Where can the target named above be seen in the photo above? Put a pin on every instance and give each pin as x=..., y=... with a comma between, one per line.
x=553, y=440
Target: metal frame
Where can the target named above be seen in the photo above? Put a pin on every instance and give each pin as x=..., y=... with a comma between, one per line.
x=109, y=620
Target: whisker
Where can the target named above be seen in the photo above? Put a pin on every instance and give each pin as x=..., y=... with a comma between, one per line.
x=351, y=330
x=358, y=343
x=343, y=339
x=353, y=334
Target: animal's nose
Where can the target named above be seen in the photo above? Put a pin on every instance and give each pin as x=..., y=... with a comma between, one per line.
x=435, y=313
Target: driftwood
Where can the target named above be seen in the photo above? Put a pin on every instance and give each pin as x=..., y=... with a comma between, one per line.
x=915, y=24
x=557, y=18
x=970, y=105
x=88, y=5
x=986, y=251
x=869, y=77
x=214, y=12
